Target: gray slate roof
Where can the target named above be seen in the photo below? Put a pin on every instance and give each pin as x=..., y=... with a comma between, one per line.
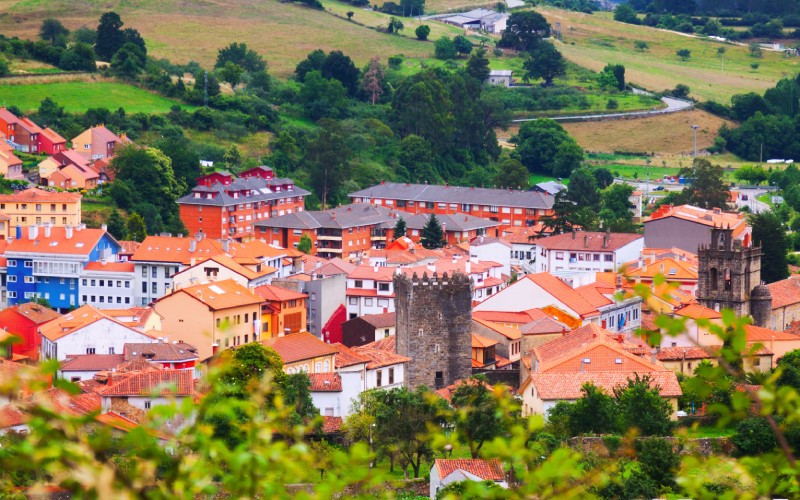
x=357, y=214
x=260, y=189
x=455, y=222
x=456, y=194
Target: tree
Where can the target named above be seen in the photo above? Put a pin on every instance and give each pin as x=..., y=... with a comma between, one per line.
x=641, y=407
x=109, y=38
x=399, y=228
x=129, y=61
x=135, y=228
x=232, y=156
x=615, y=208
x=422, y=32
x=51, y=30
x=658, y=460
x=512, y=174
x=231, y=73
x=116, y=225
x=603, y=176
x=305, y=244
x=754, y=66
x=395, y=25
x=402, y=418
x=85, y=35
x=754, y=175
x=432, y=234
x=755, y=50
x=789, y=365
x=592, y=413
x=707, y=190
x=538, y=143
x=478, y=415
x=746, y=105
x=183, y=155
x=546, y=62
x=769, y=233
x=640, y=45
x=79, y=57
x=373, y=79
x=350, y=15
x=297, y=396
x=444, y=48
x=754, y=436
x=478, y=65
x=524, y=30
x=328, y=159
x=340, y=67
x=681, y=91
x=578, y=206
x=4, y=69
x=323, y=97
x=617, y=71
x=624, y=13
x=239, y=54
x=684, y=54
x=568, y=158
x=463, y=45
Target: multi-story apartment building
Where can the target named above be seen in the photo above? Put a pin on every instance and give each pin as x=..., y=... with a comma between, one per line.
x=511, y=208
x=49, y=262
x=107, y=285
x=98, y=142
x=21, y=133
x=224, y=206
x=37, y=206
x=586, y=251
x=338, y=232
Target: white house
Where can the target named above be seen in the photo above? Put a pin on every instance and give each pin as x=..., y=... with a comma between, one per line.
x=87, y=330
x=446, y=471
x=107, y=285
x=586, y=251
x=86, y=366
x=223, y=267
x=500, y=77
x=497, y=250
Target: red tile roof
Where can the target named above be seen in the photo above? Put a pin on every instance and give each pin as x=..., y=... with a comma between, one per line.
x=91, y=362
x=39, y=195
x=325, y=382
x=161, y=382
x=785, y=292
x=696, y=311
x=521, y=317
x=507, y=332
x=486, y=469
x=565, y=294
x=380, y=358
x=299, y=346
x=53, y=136
x=567, y=385
x=759, y=334
x=75, y=320
x=111, y=267
x=702, y=216
x=346, y=356
x=37, y=313
x=543, y=326
x=331, y=425
x=588, y=241
x=387, y=343
x=160, y=351
x=82, y=241
x=174, y=249
x=384, y=320
x=274, y=293
x=481, y=342
x=219, y=295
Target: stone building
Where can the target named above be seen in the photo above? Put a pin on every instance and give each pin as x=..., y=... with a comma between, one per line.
x=434, y=319
x=729, y=277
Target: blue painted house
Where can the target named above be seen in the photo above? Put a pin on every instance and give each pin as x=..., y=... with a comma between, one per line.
x=46, y=262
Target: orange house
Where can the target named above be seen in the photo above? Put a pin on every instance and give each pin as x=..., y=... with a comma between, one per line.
x=284, y=311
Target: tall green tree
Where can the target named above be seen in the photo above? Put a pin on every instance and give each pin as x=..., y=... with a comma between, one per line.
x=463, y=45
x=615, y=208
x=323, y=97
x=769, y=233
x=641, y=407
x=432, y=234
x=538, y=146
x=297, y=396
x=576, y=207
x=478, y=65
x=524, y=30
x=546, y=62
x=593, y=413
x=109, y=38
x=422, y=32
x=399, y=228
x=135, y=227
x=512, y=174
x=708, y=189
x=116, y=225
x=242, y=56
x=129, y=61
x=479, y=417
x=444, y=48
x=51, y=30
x=328, y=159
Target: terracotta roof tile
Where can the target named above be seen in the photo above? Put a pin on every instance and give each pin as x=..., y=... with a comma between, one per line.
x=331, y=425
x=219, y=294
x=160, y=351
x=567, y=386
x=162, y=382
x=325, y=382
x=486, y=469
x=759, y=334
x=737, y=220
x=696, y=311
x=91, y=362
x=387, y=343
x=111, y=267
x=785, y=292
x=507, y=332
x=384, y=320
x=481, y=342
x=380, y=358
x=346, y=356
x=521, y=317
x=82, y=242
x=563, y=293
x=75, y=320
x=39, y=195
x=36, y=312
x=299, y=346
x=274, y=293
x=588, y=241
x=543, y=326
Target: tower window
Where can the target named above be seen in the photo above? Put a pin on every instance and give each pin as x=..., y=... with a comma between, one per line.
x=714, y=278
x=727, y=280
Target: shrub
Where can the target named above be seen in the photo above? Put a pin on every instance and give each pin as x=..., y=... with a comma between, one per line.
x=422, y=31
x=754, y=436
x=612, y=104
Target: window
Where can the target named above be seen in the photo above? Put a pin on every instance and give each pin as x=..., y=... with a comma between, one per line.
x=327, y=365
x=111, y=350
x=353, y=301
x=559, y=255
x=154, y=287
x=359, y=284
x=90, y=350
x=12, y=263
x=437, y=349
x=379, y=378
x=608, y=257
x=383, y=287
x=144, y=271
x=29, y=263
x=12, y=279
x=421, y=332
x=29, y=279
x=154, y=272
x=147, y=405
x=318, y=366
x=391, y=376
x=144, y=287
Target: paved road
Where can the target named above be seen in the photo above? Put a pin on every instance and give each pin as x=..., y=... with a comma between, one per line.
x=673, y=106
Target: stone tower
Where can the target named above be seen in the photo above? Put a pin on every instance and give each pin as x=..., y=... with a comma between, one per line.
x=434, y=319
x=727, y=273
x=761, y=306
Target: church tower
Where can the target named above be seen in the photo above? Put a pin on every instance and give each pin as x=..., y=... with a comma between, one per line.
x=727, y=273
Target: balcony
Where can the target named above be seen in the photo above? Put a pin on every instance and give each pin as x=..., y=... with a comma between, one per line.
x=327, y=237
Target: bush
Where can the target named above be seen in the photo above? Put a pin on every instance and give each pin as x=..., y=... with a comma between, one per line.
x=754, y=436
x=612, y=104
x=445, y=48
x=422, y=31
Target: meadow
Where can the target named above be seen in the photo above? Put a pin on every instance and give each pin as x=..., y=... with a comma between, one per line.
x=80, y=95
x=594, y=40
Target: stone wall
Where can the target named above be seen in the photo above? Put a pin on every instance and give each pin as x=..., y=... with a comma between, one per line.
x=434, y=320
x=604, y=446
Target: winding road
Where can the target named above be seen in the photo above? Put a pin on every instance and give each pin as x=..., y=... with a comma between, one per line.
x=673, y=106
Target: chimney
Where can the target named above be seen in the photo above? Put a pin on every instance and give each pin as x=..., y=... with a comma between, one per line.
x=375, y=268
x=606, y=237
x=103, y=261
x=653, y=258
x=192, y=245
x=574, y=234
x=192, y=262
x=468, y=268
x=226, y=245
x=104, y=227
x=653, y=355
x=214, y=348
x=585, y=240
x=33, y=231
x=68, y=232
x=47, y=230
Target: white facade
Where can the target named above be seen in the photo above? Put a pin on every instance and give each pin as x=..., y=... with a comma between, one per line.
x=77, y=376
x=495, y=251
x=209, y=271
x=152, y=280
x=607, y=260
x=107, y=289
x=456, y=476
x=103, y=336
x=385, y=377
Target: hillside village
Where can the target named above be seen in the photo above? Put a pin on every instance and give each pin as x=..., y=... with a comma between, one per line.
x=406, y=308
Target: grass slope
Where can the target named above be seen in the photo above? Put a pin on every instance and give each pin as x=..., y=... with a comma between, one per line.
x=182, y=31
x=78, y=96
x=593, y=40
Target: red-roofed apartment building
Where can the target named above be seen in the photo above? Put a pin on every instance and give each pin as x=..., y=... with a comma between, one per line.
x=586, y=251
x=22, y=133
x=50, y=142
x=593, y=303
x=98, y=142
x=687, y=227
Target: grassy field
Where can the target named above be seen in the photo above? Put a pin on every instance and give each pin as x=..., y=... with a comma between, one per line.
x=593, y=40
x=439, y=6
x=78, y=96
x=182, y=31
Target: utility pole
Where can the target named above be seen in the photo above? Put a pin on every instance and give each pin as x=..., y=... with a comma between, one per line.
x=647, y=170
x=205, y=90
x=694, y=162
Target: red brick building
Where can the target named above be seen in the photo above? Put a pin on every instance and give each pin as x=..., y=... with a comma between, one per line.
x=343, y=232
x=225, y=206
x=50, y=142
x=511, y=208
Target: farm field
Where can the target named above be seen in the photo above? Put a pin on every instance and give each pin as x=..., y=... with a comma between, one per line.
x=594, y=40
x=79, y=95
x=183, y=31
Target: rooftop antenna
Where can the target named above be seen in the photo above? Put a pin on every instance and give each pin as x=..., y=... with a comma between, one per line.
x=205, y=90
